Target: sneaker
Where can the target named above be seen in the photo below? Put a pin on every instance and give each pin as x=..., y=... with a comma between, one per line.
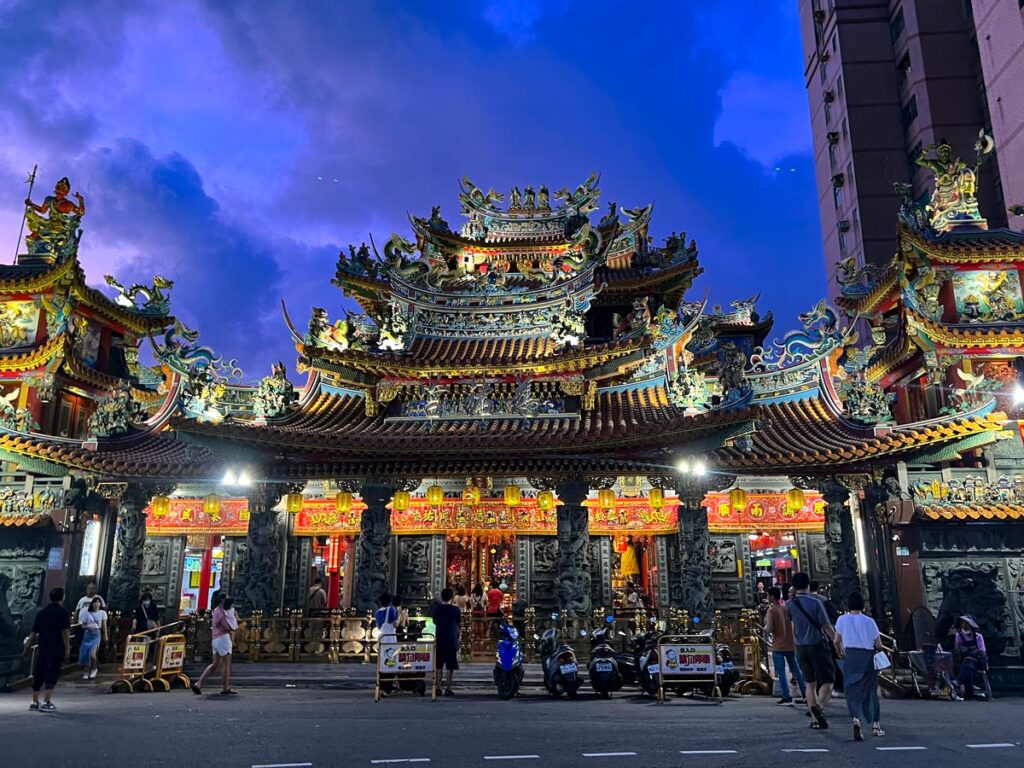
x=92, y=675
x=47, y=706
x=85, y=676
x=34, y=706
x=857, y=734
x=785, y=702
x=196, y=689
x=800, y=700
x=449, y=692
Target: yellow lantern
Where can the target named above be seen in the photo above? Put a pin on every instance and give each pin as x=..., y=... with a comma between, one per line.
x=606, y=498
x=471, y=495
x=161, y=506
x=211, y=505
x=545, y=501
x=738, y=499
x=435, y=495
x=400, y=501
x=343, y=502
x=512, y=495
x=795, y=499
x=293, y=503
x=656, y=498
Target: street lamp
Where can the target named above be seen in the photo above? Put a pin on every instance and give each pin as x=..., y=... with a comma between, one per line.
x=1018, y=394
x=240, y=477
x=694, y=467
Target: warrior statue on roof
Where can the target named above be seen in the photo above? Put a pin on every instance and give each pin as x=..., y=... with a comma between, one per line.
x=49, y=233
x=953, y=201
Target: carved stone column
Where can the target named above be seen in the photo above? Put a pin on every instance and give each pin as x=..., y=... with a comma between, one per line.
x=572, y=585
x=373, y=551
x=260, y=579
x=126, y=576
x=694, y=577
x=840, y=541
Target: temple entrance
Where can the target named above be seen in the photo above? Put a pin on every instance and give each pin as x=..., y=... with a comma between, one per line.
x=473, y=559
x=201, y=572
x=774, y=558
x=634, y=569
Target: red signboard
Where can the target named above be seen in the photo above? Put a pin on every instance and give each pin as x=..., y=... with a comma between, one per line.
x=765, y=512
x=188, y=516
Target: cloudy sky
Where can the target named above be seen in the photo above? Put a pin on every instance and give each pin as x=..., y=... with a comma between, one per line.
x=234, y=147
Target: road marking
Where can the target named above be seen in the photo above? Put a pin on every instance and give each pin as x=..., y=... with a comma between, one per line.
x=708, y=752
x=805, y=750
x=284, y=765
x=901, y=749
x=1003, y=745
x=609, y=754
x=511, y=757
x=402, y=760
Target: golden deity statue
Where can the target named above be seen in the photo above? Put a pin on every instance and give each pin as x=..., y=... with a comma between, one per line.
x=49, y=233
x=953, y=202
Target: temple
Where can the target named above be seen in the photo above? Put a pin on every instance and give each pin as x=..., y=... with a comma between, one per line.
x=530, y=398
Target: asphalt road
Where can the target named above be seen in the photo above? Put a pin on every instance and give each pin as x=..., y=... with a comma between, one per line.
x=301, y=728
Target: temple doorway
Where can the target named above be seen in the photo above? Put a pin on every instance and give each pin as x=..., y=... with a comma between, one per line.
x=201, y=572
x=473, y=559
x=774, y=558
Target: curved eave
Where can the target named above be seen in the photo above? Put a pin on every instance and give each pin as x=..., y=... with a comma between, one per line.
x=36, y=281
x=947, y=336
x=884, y=292
x=31, y=359
x=968, y=247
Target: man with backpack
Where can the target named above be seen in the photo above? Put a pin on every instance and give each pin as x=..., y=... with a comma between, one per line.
x=814, y=636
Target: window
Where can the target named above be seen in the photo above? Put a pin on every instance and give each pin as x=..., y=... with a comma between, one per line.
x=912, y=165
x=837, y=196
x=824, y=71
x=896, y=26
x=842, y=241
x=909, y=112
x=846, y=133
x=832, y=157
x=839, y=87
x=835, y=38
x=849, y=172
x=904, y=69
x=828, y=113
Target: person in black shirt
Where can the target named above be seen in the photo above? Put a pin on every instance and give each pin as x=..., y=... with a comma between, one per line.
x=447, y=619
x=147, y=614
x=51, y=633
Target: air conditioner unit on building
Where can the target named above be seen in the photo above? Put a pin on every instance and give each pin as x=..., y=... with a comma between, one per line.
x=837, y=180
x=829, y=97
x=825, y=56
x=819, y=16
x=833, y=137
x=843, y=225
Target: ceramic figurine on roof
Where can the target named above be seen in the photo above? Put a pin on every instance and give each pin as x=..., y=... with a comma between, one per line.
x=50, y=234
x=953, y=203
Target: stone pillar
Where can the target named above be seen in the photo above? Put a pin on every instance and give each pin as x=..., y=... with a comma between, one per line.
x=373, y=551
x=261, y=580
x=572, y=584
x=840, y=541
x=126, y=576
x=694, y=557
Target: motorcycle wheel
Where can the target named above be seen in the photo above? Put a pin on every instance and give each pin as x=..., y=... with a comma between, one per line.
x=649, y=684
x=507, y=687
x=572, y=689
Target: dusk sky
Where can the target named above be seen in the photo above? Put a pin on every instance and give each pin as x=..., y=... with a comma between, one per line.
x=234, y=147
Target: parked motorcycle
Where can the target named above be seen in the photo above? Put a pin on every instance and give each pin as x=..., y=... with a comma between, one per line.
x=726, y=671
x=603, y=668
x=508, y=667
x=558, y=661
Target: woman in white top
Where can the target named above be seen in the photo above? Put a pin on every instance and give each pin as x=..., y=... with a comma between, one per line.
x=857, y=641
x=94, y=628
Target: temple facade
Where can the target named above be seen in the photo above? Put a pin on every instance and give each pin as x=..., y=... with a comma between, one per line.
x=529, y=398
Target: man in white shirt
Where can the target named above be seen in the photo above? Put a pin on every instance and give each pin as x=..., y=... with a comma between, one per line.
x=83, y=603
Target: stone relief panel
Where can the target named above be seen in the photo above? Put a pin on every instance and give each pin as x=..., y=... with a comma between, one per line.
x=297, y=563
x=414, y=560
x=543, y=570
x=668, y=569
x=523, y=549
x=601, y=570
x=727, y=587
x=438, y=566
x=162, y=563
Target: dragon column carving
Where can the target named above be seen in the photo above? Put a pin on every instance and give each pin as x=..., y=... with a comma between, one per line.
x=572, y=585
x=373, y=555
x=260, y=573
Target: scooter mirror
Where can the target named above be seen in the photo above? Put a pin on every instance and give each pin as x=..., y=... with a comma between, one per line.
x=554, y=616
x=583, y=633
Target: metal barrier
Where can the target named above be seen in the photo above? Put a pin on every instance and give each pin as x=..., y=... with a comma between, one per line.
x=688, y=662
x=137, y=672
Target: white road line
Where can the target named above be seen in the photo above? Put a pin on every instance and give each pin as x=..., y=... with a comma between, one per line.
x=609, y=754
x=901, y=749
x=285, y=765
x=511, y=757
x=805, y=750
x=1003, y=745
x=401, y=760
x=708, y=752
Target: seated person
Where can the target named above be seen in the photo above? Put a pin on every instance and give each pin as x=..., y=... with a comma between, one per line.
x=969, y=648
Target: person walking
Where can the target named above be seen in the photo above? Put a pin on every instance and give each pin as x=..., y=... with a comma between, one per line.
x=224, y=624
x=86, y=600
x=93, y=620
x=478, y=610
x=447, y=620
x=839, y=685
x=461, y=600
x=316, y=600
x=813, y=634
x=51, y=634
x=779, y=626
x=857, y=642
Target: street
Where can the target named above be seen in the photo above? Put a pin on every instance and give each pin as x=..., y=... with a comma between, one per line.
x=306, y=727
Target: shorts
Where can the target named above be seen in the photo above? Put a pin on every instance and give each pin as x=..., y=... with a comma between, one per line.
x=816, y=663
x=46, y=670
x=221, y=645
x=446, y=657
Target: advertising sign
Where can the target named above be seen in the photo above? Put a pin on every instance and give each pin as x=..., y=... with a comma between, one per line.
x=135, y=656
x=173, y=658
x=678, y=659
x=406, y=657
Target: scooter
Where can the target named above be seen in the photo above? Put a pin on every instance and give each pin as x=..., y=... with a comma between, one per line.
x=508, y=667
x=558, y=661
x=603, y=668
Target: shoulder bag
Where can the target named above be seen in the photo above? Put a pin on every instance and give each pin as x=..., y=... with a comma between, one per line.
x=817, y=625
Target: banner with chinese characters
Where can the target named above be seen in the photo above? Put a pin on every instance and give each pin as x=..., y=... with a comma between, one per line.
x=188, y=516
x=320, y=517
x=633, y=515
x=765, y=512
x=489, y=516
